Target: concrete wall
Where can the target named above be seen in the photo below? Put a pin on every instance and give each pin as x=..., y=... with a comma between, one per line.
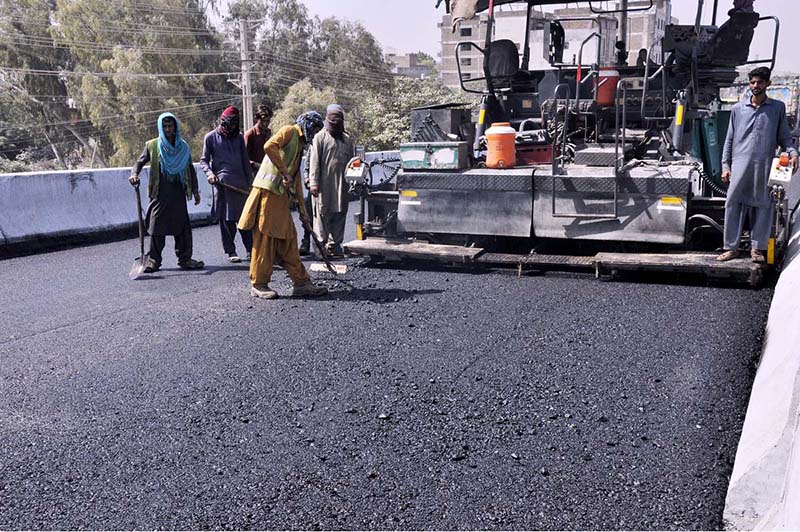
x=764, y=491
x=52, y=205
x=45, y=208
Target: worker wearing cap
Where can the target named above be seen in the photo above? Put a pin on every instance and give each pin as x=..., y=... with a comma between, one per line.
x=331, y=150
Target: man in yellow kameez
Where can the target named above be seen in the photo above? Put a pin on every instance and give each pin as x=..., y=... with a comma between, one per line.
x=267, y=212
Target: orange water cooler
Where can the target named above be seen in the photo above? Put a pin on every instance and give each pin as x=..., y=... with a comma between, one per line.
x=607, y=81
x=501, y=146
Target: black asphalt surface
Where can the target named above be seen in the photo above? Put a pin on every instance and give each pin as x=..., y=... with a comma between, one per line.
x=430, y=399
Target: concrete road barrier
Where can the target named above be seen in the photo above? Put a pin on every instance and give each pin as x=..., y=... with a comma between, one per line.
x=764, y=490
x=47, y=206
x=39, y=209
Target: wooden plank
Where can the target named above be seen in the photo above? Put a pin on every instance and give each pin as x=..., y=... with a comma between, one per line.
x=412, y=249
x=705, y=263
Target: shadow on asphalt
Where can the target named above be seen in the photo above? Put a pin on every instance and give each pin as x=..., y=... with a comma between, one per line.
x=689, y=279
x=427, y=266
x=211, y=270
x=148, y=277
x=378, y=295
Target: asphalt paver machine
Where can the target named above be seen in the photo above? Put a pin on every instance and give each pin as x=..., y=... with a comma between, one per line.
x=617, y=164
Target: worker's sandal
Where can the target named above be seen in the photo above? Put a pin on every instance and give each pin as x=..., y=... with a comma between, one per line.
x=151, y=266
x=309, y=290
x=728, y=255
x=757, y=255
x=263, y=291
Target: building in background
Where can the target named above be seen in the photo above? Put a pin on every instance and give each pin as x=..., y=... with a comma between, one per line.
x=410, y=65
x=645, y=28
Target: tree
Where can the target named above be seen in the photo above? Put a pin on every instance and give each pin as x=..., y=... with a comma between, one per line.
x=290, y=45
x=39, y=102
x=302, y=97
x=282, y=38
x=107, y=71
x=136, y=46
x=387, y=115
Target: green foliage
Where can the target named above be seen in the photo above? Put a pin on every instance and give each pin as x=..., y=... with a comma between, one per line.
x=387, y=115
x=290, y=45
x=8, y=166
x=138, y=99
x=132, y=57
x=302, y=97
x=127, y=39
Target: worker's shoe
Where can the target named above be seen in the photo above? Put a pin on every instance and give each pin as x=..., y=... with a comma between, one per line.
x=728, y=255
x=309, y=289
x=263, y=291
x=233, y=258
x=192, y=264
x=305, y=245
x=758, y=256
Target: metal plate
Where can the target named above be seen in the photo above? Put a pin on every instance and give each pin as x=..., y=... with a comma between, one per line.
x=461, y=212
x=643, y=214
x=470, y=180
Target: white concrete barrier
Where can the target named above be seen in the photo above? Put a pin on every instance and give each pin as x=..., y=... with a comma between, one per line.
x=764, y=490
x=47, y=205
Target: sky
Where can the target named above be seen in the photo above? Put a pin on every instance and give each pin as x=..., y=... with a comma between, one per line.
x=411, y=25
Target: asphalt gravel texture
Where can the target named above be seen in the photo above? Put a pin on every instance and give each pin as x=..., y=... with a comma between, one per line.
x=411, y=398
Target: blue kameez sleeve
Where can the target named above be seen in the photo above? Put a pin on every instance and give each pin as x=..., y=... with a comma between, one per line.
x=208, y=154
x=727, y=149
x=785, y=136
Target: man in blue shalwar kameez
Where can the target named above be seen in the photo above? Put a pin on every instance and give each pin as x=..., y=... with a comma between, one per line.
x=225, y=160
x=757, y=127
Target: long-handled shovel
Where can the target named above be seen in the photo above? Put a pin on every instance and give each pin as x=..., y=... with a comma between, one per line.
x=244, y=191
x=323, y=253
x=139, y=264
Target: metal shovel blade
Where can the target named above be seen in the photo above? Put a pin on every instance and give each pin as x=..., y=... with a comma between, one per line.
x=340, y=269
x=138, y=268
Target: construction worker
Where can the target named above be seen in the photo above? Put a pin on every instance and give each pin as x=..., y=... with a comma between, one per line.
x=225, y=161
x=331, y=150
x=267, y=213
x=258, y=135
x=173, y=181
x=757, y=126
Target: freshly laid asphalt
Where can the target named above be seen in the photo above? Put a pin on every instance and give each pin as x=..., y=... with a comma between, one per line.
x=408, y=399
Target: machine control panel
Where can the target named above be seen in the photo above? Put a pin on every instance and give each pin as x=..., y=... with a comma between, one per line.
x=781, y=171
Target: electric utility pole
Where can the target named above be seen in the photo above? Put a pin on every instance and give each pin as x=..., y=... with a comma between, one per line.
x=623, y=33
x=247, y=92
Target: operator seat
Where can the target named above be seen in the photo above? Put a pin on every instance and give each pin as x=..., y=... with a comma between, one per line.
x=731, y=45
x=503, y=62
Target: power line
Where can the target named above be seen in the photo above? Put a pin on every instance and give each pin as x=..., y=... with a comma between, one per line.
x=46, y=42
x=110, y=117
x=109, y=130
x=286, y=61
x=134, y=27
x=91, y=129
x=60, y=73
x=207, y=95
